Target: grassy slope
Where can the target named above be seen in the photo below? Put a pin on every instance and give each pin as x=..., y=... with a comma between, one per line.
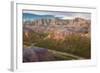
x=73, y=44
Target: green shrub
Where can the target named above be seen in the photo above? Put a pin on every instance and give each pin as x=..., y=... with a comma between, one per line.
x=74, y=44
x=78, y=45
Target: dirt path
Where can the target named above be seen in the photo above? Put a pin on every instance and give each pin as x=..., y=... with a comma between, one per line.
x=65, y=54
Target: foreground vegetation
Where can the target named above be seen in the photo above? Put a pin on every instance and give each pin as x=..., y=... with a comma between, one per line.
x=74, y=44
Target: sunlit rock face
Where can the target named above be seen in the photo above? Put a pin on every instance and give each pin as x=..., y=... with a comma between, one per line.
x=58, y=27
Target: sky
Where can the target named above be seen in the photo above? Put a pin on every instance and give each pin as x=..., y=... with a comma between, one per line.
x=62, y=15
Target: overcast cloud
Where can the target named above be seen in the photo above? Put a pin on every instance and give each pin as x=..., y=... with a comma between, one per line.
x=63, y=15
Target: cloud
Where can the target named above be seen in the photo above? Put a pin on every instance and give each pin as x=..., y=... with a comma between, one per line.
x=37, y=12
x=63, y=15
x=83, y=15
x=67, y=18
